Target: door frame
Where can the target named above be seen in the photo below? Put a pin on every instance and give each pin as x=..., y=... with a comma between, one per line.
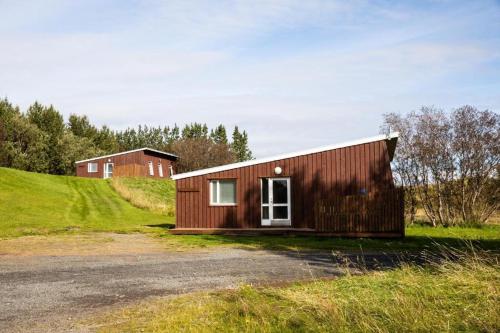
x=271, y=221
x=106, y=174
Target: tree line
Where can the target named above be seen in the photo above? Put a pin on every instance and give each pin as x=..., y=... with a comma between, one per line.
x=40, y=140
x=448, y=163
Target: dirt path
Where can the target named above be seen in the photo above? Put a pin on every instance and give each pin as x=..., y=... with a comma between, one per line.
x=91, y=244
x=49, y=292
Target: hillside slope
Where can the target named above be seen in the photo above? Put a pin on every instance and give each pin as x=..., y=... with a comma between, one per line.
x=157, y=195
x=32, y=203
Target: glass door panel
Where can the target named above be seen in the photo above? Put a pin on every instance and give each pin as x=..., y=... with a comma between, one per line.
x=280, y=191
x=108, y=170
x=275, y=201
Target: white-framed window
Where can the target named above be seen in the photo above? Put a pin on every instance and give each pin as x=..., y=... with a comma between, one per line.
x=223, y=192
x=160, y=170
x=92, y=167
x=170, y=170
x=151, y=168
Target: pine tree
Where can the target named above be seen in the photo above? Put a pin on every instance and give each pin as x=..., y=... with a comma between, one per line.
x=195, y=131
x=174, y=135
x=218, y=135
x=239, y=146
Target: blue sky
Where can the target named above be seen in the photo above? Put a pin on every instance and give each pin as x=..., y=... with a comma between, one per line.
x=294, y=74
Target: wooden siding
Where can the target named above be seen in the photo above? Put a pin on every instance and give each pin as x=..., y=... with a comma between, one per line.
x=376, y=212
x=129, y=170
x=339, y=172
x=134, y=164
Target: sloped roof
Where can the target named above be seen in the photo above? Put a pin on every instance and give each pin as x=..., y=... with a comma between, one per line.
x=391, y=136
x=128, y=152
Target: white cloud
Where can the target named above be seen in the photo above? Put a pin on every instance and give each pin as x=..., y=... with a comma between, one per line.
x=343, y=66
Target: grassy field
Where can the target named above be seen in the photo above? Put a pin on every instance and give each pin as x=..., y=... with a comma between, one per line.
x=38, y=204
x=458, y=296
x=449, y=297
x=418, y=238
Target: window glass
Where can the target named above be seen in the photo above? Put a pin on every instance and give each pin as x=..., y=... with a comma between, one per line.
x=227, y=191
x=151, y=169
x=223, y=191
x=160, y=170
x=280, y=192
x=280, y=212
x=92, y=167
x=265, y=212
x=214, y=191
x=265, y=190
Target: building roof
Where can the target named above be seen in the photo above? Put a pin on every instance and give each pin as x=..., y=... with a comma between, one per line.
x=392, y=137
x=128, y=152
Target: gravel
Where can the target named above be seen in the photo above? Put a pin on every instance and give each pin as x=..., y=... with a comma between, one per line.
x=50, y=293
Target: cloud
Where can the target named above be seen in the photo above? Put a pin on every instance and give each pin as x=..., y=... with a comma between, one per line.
x=294, y=74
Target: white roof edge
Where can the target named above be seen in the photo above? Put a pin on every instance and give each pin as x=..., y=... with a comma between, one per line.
x=285, y=156
x=126, y=152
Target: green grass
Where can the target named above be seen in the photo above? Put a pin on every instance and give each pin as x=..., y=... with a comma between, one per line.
x=458, y=296
x=156, y=195
x=418, y=238
x=39, y=204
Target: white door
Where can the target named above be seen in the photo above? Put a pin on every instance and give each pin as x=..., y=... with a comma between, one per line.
x=108, y=170
x=275, y=202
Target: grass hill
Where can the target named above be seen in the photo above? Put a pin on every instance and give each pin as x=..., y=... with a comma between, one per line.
x=34, y=204
x=156, y=195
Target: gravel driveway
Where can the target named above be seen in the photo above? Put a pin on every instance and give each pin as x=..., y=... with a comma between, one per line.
x=50, y=293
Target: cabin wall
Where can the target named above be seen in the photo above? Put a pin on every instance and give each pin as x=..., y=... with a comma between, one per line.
x=157, y=158
x=343, y=171
x=133, y=164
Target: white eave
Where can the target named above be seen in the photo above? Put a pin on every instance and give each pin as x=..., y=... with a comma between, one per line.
x=226, y=167
x=126, y=152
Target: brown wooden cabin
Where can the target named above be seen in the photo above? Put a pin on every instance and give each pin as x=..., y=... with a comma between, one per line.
x=339, y=190
x=143, y=162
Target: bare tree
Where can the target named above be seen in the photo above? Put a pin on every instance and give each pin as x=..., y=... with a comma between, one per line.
x=476, y=144
x=200, y=153
x=434, y=158
x=448, y=163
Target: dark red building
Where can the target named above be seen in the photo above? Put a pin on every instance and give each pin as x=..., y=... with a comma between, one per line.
x=143, y=162
x=345, y=189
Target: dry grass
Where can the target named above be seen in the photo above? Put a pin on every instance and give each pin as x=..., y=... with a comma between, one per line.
x=422, y=218
x=81, y=245
x=456, y=295
x=155, y=195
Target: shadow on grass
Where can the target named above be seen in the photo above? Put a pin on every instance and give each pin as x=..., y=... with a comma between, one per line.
x=162, y=226
x=273, y=242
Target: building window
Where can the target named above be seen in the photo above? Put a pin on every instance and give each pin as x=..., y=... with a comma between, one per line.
x=92, y=167
x=160, y=170
x=151, y=169
x=170, y=170
x=223, y=192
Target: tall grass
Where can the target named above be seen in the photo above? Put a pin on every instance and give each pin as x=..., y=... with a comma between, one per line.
x=458, y=294
x=151, y=194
